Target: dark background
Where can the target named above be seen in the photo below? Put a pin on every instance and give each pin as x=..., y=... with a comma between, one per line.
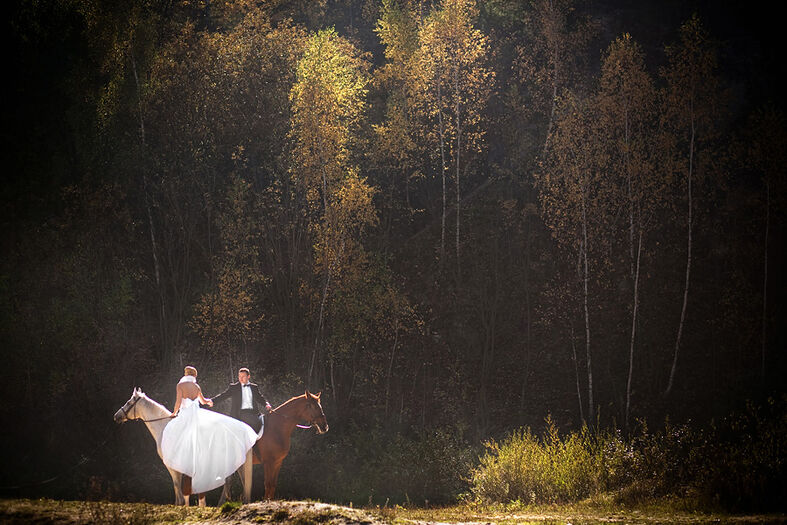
x=81, y=321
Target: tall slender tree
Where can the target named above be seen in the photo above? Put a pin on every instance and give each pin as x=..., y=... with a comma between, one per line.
x=396, y=144
x=575, y=202
x=454, y=88
x=626, y=104
x=550, y=59
x=690, y=116
x=766, y=140
x=327, y=107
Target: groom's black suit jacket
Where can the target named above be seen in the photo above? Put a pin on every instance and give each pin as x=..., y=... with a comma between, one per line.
x=234, y=392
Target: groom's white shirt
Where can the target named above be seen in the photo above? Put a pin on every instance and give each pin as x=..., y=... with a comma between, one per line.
x=247, y=401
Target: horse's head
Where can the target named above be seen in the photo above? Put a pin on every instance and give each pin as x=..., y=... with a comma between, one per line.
x=129, y=411
x=313, y=414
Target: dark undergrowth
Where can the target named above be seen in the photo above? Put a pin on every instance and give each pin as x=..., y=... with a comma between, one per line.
x=738, y=464
x=734, y=465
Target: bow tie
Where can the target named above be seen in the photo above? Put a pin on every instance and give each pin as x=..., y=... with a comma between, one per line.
x=247, y=384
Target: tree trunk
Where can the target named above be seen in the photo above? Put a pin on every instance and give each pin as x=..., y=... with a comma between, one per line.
x=329, y=270
x=526, y=371
x=576, y=373
x=591, y=407
x=487, y=301
x=164, y=352
x=630, y=199
x=334, y=390
x=688, y=264
x=552, y=111
x=442, y=164
x=424, y=397
x=633, y=329
x=458, y=156
x=390, y=369
x=319, y=326
x=765, y=275
x=324, y=176
x=317, y=336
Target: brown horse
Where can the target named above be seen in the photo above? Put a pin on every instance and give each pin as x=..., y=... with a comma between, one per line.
x=274, y=445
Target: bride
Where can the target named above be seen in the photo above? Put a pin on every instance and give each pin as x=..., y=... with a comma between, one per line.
x=202, y=444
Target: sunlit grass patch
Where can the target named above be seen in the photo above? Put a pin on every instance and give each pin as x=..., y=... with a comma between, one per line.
x=105, y=512
x=230, y=507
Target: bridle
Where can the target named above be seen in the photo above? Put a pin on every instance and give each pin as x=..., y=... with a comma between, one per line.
x=133, y=407
x=129, y=409
x=296, y=419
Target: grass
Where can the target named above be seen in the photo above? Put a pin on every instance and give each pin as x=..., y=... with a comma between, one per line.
x=588, y=512
x=78, y=512
x=230, y=507
x=596, y=511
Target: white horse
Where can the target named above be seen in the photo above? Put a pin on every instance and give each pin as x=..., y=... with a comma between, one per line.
x=155, y=416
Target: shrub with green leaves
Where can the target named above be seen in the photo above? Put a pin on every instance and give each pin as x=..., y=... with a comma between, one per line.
x=736, y=464
x=552, y=469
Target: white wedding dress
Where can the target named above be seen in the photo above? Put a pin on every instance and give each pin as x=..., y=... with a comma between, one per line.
x=205, y=445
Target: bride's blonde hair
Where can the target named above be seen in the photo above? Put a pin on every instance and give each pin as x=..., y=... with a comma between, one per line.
x=190, y=371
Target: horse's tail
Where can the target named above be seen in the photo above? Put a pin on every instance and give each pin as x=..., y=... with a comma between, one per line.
x=185, y=484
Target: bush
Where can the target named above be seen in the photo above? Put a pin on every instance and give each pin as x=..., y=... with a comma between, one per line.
x=656, y=465
x=737, y=465
x=551, y=470
x=746, y=460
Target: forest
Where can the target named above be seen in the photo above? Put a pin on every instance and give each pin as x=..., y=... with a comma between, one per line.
x=456, y=219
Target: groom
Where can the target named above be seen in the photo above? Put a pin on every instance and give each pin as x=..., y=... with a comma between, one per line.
x=246, y=400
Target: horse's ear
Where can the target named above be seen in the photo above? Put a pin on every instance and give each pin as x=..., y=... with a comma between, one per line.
x=317, y=395
x=307, y=394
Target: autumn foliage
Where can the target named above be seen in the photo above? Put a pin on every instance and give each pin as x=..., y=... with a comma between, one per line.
x=451, y=217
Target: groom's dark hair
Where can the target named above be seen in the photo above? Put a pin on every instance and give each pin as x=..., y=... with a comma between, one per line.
x=244, y=369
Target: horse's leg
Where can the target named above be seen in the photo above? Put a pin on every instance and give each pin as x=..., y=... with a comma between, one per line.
x=271, y=476
x=225, y=493
x=246, y=471
x=201, y=499
x=176, y=480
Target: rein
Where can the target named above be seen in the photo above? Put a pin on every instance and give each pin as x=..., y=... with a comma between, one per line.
x=285, y=416
x=157, y=419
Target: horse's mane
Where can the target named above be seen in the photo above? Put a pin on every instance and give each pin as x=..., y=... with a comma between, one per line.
x=153, y=401
x=289, y=401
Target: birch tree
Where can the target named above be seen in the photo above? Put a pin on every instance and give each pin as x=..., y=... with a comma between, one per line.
x=453, y=91
x=767, y=140
x=327, y=108
x=550, y=60
x=574, y=202
x=692, y=105
x=626, y=103
x=396, y=144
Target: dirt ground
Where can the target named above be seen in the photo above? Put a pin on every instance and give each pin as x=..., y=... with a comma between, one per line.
x=40, y=512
